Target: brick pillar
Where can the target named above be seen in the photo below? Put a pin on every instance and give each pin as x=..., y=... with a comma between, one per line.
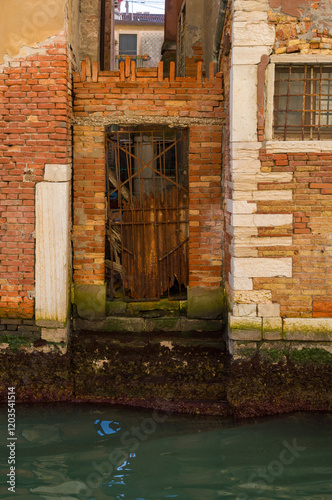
x=205, y=226
x=89, y=221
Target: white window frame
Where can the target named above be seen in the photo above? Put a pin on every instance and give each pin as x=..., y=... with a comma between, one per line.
x=278, y=146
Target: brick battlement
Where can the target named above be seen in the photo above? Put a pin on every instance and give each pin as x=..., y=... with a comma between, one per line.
x=135, y=91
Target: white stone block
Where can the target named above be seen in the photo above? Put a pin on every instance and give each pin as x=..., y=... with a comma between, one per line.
x=241, y=207
x=245, y=310
x=298, y=146
x=251, y=5
x=266, y=310
x=266, y=241
x=57, y=173
x=262, y=267
x=246, y=166
x=243, y=16
x=246, y=150
x=249, y=34
x=272, y=220
x=249, y=55
x=239, y=283
x=262, y=220
x=52, y=251
x=244, y=103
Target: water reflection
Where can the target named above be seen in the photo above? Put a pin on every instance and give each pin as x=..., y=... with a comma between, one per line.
x=77, y=454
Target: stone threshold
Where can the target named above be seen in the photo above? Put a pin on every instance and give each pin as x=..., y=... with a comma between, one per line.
x=139, y=324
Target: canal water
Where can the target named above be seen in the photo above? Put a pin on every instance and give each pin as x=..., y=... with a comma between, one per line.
x=101, y=453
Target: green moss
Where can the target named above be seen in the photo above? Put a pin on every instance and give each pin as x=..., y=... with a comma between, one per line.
x=314, y=355
x=16, y=341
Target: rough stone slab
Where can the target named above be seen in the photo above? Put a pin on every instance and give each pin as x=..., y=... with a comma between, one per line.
x=249, y=335
x=57, y=173
x=124, y=324
x=162, y=324
x=54, y=334
x=308, y=329
x=197, y=325
x=268, y=310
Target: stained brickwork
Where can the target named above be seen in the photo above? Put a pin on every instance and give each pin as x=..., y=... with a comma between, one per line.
x=35, y=105
x=139, y=96
x=308, y=292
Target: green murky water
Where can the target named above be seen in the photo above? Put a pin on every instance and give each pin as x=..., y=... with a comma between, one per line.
x=97, y=452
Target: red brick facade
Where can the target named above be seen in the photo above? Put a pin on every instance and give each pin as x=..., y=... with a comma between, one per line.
x=35, y=130
x=308, y=292
x=140, y=96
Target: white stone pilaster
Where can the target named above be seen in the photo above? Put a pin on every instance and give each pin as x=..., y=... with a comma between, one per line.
x=52, y=296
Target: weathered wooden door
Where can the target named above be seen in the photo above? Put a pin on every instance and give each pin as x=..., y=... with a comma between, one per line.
x=147, y=213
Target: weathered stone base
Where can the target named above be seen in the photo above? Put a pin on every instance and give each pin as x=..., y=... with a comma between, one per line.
x=141, y=325
x=205, y=303
x=247, y=335
x=90, y=301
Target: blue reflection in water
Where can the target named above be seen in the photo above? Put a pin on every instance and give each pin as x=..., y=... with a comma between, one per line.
x=106, y=453
x=107, y=427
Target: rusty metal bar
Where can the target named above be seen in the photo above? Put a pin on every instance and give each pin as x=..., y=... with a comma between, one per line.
x=151, y=213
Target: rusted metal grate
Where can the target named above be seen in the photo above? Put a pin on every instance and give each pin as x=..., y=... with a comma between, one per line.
x=303, y=102
x=147, y=228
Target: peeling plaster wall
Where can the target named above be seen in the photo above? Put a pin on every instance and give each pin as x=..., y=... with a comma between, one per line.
x=74, y=28
x=89, y=29
x=25, y=24
x=211, y=10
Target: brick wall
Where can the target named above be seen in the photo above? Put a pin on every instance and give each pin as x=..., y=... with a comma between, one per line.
x=143, y=96
x=308, y=293
x=34, y=131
